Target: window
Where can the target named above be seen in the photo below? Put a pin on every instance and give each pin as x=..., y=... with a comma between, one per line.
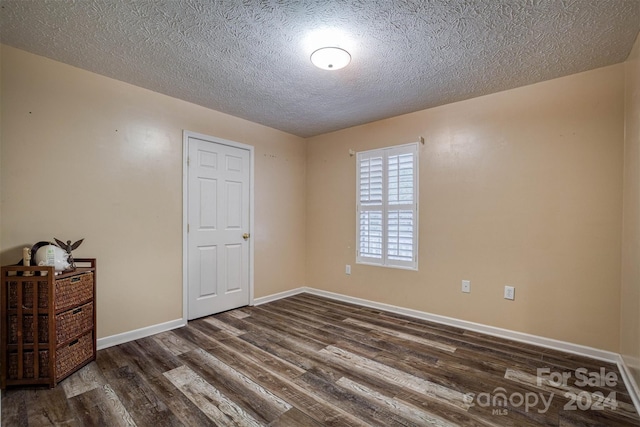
x=387, y=195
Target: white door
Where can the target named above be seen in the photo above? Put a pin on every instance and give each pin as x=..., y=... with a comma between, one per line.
x=218, y=226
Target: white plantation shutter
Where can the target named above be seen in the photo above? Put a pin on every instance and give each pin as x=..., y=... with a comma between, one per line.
x=370, y=212
x=387, y=229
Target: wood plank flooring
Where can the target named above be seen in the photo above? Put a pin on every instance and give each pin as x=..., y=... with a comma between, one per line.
x=311, y=361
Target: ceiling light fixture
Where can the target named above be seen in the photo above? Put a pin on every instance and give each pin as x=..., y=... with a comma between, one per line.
x=330, y=58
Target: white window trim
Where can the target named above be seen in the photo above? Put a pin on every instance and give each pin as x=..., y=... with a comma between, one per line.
x=385, y=153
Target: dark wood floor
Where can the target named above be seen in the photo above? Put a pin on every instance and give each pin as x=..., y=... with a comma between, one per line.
x=310, y=361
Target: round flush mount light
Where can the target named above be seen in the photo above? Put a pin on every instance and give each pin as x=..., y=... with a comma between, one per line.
x=330, y=58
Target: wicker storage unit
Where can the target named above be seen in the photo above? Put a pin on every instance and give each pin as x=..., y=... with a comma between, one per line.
x=53, y=317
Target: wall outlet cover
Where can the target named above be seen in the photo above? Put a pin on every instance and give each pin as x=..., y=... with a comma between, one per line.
x=466, y=286
x=509, y=292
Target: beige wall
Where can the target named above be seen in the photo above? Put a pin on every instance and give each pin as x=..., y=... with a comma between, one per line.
x=630, y=291
x=521, y=188
x=87, y=156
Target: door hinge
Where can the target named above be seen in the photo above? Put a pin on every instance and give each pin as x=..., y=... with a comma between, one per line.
x=187, y=228
x=188, y=161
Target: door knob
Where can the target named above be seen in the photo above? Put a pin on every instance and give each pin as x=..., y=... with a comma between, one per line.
x=246, y=236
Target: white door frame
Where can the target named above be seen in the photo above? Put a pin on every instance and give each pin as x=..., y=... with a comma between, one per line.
x=185, y=210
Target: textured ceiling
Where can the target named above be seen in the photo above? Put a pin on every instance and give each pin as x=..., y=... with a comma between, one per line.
x=250, y=58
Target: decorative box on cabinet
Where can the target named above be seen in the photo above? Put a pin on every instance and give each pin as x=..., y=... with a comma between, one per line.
x=48, y=323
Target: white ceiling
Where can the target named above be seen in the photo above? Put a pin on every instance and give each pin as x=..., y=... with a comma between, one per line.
x=250, y=58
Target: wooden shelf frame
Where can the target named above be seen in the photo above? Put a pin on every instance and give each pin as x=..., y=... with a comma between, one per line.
x=39, y=275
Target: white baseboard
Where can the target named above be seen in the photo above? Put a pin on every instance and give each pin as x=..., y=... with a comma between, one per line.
x=125, y=337
x=279, y=295
x=138, y=333
x=630, y=382
x=550, y=343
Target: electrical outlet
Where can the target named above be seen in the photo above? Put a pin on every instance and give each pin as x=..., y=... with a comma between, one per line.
x=347, y=269
x=509, y=292
x=466, y=286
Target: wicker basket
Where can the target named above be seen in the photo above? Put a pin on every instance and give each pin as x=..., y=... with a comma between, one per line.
x=69, y=357
x=28, y=366
x=73, y=291
x=72, y=323
x=27, y=293
x=27, y=329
